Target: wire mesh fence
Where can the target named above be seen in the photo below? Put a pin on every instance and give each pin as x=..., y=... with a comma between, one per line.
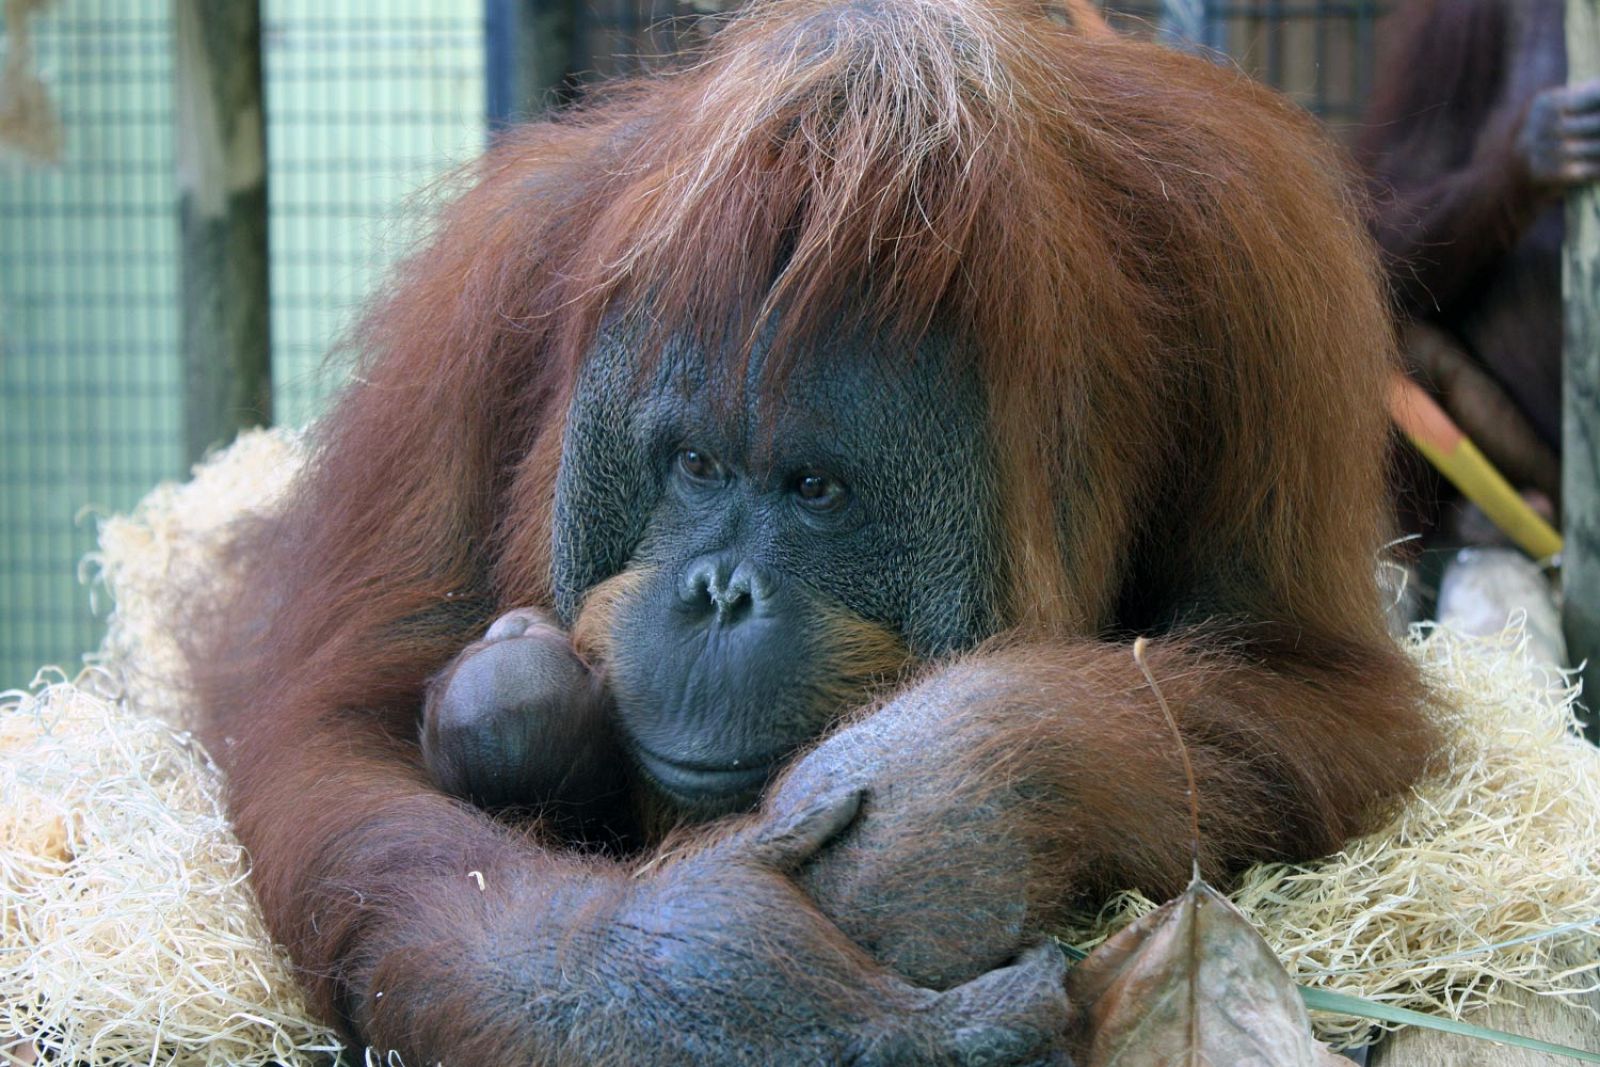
x=1319, y=51
x=88, y=320
x=367, y=103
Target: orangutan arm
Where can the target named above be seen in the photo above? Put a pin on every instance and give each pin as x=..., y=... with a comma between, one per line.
x=430, y=930
x=1469, y=138
x=1006, y=788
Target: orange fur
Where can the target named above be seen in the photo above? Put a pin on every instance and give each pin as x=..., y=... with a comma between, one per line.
x=1184, y=346
x=1086, y=16
x=591, y=631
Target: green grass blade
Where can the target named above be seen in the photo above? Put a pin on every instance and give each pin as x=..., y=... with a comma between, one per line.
x=1322, y=1000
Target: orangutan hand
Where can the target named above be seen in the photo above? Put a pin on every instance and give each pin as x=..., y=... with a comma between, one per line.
x=1559, y=142
x=518, y=719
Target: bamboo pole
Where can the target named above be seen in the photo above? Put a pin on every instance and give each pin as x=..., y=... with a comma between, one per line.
x=222, y=182
x=1580, y=493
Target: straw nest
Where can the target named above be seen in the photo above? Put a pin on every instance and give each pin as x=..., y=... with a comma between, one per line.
x=128, y=933
x=1488, y=878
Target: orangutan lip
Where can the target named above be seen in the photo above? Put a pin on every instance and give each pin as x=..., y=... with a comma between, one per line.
x=699, y=780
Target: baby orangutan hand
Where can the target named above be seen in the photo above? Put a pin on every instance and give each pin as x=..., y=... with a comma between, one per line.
x=519, y=719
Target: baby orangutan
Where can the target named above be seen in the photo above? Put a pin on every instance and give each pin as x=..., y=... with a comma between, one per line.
x=519, y=719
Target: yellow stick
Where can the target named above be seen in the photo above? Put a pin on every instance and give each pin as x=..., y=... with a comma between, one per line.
x=1438, y=437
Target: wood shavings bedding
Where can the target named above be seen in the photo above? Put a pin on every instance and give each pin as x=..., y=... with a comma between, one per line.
x=1503, y=844
x=127, y=934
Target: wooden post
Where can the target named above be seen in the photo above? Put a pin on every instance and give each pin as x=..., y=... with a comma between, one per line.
x=222, y=183
x=536, y=57
x=1193, y=26
x=1183, y=24
x=1580, y=439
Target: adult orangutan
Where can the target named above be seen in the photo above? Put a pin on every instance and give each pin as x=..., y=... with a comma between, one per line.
x=851, y=399
x=1473, y=140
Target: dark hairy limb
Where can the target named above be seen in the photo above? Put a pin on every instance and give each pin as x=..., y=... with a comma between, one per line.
x=517, y=718
x=1470, y=138
x=439, y=935
x=1481, y=407
x=1559, y=142
x=1005, y=789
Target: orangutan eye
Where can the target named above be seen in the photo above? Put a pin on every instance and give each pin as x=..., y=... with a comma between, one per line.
x=699, y=466
x=819, y=492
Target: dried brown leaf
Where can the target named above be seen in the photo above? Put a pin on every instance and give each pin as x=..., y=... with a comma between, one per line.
x=1190, y=984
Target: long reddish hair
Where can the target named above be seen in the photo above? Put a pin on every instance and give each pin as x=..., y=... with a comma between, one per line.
x=1166, y=290
x=1178, y=324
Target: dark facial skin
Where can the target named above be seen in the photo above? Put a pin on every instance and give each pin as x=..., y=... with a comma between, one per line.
x=758, y=555
x=755, y=561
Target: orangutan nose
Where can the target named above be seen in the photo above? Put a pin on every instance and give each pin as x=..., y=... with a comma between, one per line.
x=727, y=587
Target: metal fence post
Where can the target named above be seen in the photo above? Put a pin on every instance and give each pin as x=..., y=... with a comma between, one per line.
x=1580, y=444
x=222, y=181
